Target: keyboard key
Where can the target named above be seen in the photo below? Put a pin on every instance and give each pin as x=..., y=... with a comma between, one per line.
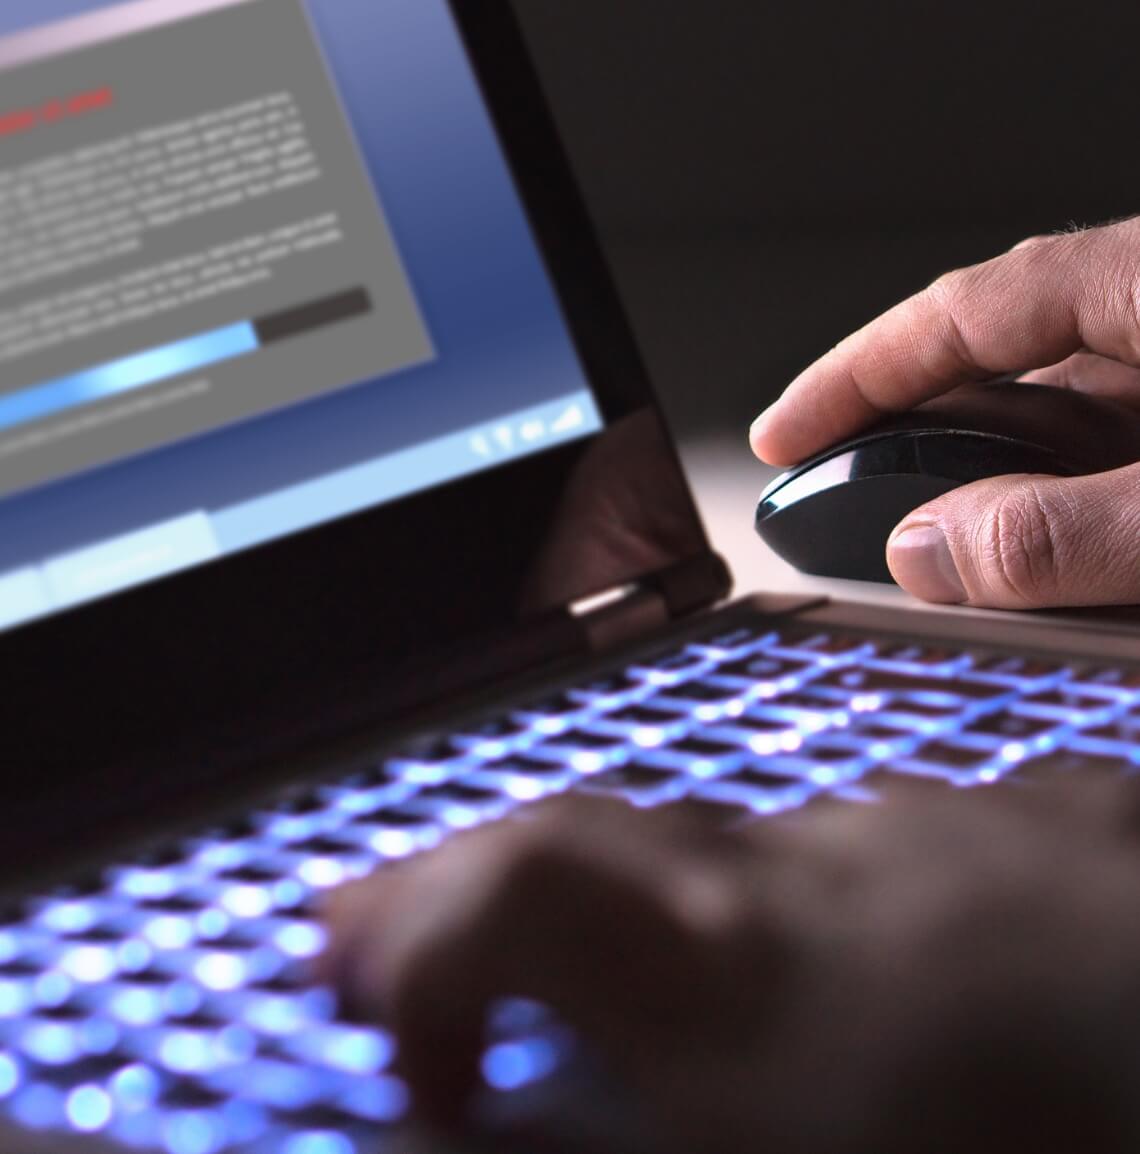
x=377, y=774
x=329, y=844
x=618, y=687
x=495, y=738
x=431, y=761
x=1124, y=727
x=645, y=725
x=887, y=727
x=498, y=727
x=280, y=1085
x=1062, y=763
x=526, y=766
x=143, y=883
x=639, y=783
x=254, y=874
x=300, y=803
x=698, y=756
x=236, y=829
x=806, y=711
x=698, y=692
x=349, y=1049
x=756, y=778
x=705, y=700
x=103, y=1070
x=960, y=764
x=552, y=709
x=735, y=643
x=322, y=1130
x=585, y=751
x=1119, y=739
x=762, y=735
x=387, y=817
x=888, y=684
x=434, y=749
x=650, y=714
x=1069, y=702
x=206, y=1129
x=289, y=979
x=458, y=793
x=223, y=966
x=1010, y=727
x=921, y=659
x=379, y=1100
x=460, y=806
x=578, y=739
x=881, y=784
x=766, y=673
x=1109, y=681
x=357, y=802
x=826, y=761
x=828, y=646
x=868, y=743
x=714, y=813
x=276, y=1015
x=672, y=669
x=955, y=756
x=757, y=790
x=1027, y=673
x=397, y=832
x=524, y=787
x=193, y=1052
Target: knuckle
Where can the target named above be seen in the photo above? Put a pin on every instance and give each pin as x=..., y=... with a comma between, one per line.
x=946, y=290
x=532, y=864
x=1039, y=245
x=1046, y=257
x=1124, y=294
x=1126, y=230
x=1020, y=547
x=1107, y=260
x=950, y=297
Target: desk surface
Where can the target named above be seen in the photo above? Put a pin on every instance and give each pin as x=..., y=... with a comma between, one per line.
x=728, y=481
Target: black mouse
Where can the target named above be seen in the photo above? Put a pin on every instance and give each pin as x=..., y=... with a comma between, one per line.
x=832, y=515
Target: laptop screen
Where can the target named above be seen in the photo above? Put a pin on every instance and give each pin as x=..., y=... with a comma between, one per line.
x=262, y=266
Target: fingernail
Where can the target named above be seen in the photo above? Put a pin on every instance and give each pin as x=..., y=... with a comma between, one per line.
x=760, y=428
x=760, y=425
x=922, y=563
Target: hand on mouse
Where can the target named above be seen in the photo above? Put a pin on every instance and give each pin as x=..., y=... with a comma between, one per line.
x=1061, y=310
x=944, y=972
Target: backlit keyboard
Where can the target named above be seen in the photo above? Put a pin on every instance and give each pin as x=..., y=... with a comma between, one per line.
x=165, y=1004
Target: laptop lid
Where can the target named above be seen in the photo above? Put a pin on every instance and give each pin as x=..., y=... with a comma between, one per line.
x=315, y=399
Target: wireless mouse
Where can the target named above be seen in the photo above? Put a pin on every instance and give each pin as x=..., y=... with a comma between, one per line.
x=832, y=515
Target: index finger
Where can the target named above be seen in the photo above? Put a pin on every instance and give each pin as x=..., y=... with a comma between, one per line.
x=1033, y=306
x=587, y=908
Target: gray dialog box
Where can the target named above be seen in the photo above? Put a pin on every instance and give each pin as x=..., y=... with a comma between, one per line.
x=189, y=236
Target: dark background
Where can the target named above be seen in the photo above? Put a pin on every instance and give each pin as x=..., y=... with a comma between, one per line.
x=769, y=176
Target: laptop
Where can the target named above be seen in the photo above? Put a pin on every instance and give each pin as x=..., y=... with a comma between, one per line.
x=337, y=516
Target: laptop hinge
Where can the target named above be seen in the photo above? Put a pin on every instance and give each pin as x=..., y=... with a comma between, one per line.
x=631, y=611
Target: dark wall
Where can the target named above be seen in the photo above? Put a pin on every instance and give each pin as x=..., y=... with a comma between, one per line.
x=770, y=176
x=844, y=114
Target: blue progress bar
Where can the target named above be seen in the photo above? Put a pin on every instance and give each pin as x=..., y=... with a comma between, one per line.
x=134, y=372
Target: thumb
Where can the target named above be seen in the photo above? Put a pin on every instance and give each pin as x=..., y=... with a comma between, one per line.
x=1025, y=543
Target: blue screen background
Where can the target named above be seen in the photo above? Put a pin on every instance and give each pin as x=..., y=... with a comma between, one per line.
x=442, y=179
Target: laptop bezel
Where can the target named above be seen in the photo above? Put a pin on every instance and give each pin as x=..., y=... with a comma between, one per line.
x=95, y=693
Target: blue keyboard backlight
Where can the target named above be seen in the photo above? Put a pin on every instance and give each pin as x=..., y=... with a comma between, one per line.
x=10, y=1076
x=170, y=1009
x=514, y=1065
x=89, y=1108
